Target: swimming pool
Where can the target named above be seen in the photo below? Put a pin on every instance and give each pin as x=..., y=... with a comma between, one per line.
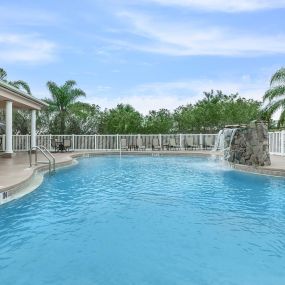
x=146, y=220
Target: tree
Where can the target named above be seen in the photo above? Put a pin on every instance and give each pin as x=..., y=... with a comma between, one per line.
x=215, y=111
x=84, y=118
x=123, y=119
x=159, y=122
x=19, y=84
x=183, y=116
x=63, y=97
x=275, y=96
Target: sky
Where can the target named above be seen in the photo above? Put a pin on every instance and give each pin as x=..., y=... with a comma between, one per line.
x=151, y=54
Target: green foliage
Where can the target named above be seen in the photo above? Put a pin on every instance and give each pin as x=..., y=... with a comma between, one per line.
x=159, y=122
x=59, y=110
x=3, y=74
x=84, y=119
x=123, y=119
x=215, y=111
x=274, y=97
x=66, y=116
x=21, y=121
x=19, y=84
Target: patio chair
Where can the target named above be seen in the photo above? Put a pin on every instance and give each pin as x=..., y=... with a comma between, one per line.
x=55, y=144
x=140, y=145
x=124, y=145
x=156, y=144
x=208, y=143
x=189, y=143
x=67, y=144
x=172, y=144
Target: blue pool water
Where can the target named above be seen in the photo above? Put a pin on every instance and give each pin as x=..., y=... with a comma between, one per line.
x=146, y=220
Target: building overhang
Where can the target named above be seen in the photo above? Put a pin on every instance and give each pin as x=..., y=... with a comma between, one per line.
x=20, y=99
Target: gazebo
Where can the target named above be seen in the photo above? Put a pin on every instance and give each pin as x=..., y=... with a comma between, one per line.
x=11, y=97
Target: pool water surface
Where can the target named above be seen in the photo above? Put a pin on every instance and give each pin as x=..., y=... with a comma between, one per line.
x=146, y=220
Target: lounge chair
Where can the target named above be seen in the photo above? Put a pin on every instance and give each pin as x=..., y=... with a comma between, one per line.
x=156, y=144
x=172, y=144
x=140, y=145
x=189, y=143
x=124, y=145
x=67, y=144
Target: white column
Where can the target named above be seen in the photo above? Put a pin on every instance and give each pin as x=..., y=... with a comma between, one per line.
x=9, y=127
x=33, y=128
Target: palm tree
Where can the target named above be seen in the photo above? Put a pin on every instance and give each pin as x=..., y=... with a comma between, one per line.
x=275, y=95
x=19, y=84
x=3, y=74
x=62, y=99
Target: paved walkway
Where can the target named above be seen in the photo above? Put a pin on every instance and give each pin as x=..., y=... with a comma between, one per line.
x=15, y=171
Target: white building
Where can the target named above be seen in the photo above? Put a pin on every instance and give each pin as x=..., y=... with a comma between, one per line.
x=11, y=97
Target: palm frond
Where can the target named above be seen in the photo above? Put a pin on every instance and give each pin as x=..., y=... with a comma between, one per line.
x=76, y=93
x=69, y=84
x=274, y=93
x=281, y=120
x=52, y=105
x=54, y=90
x=62, y=98
x=278, y=77
x=3, y=74
x=272, y=107
x=20, y=84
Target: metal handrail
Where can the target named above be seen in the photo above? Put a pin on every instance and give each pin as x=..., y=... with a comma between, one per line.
x=43, y=150
x=50, y=154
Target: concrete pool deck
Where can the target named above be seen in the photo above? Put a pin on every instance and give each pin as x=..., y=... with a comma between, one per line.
x=16, y=172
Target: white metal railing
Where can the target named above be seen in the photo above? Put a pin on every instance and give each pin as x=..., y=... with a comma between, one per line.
x=277, y=142
x=110, y=142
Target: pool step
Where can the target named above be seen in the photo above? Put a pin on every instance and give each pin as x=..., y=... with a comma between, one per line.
x=43, y=162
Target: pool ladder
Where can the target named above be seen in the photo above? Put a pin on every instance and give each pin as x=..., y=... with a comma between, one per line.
x=50, y=159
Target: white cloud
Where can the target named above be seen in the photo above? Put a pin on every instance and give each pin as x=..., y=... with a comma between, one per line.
x=165, y=36
x=170, y=95
x=224, y=5
x=30, y=48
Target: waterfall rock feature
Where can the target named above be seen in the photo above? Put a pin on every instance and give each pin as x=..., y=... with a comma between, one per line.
x=249, y=145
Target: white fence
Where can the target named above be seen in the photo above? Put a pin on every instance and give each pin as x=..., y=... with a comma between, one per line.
x=109, y=142
x=112, y=142
x=276, y=143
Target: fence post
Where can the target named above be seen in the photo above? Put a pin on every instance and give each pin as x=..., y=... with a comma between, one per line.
x=73, y=142
x=201, y=141
x=160, y=142
x=4, y=143
x=282, y=142
x=117, y=141
x=27, y=142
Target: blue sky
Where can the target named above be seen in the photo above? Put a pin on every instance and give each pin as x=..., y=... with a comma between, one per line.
x=149, y=53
